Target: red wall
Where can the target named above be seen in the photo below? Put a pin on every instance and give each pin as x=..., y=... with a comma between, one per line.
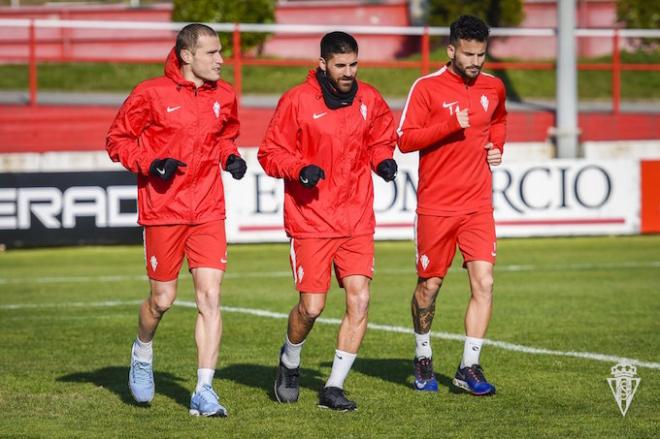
x=543, y=13
x=340, y=14
x=154, y=45
x=83, y=128
x=61, y=43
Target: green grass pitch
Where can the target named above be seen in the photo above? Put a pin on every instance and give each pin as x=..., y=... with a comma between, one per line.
x=68, y=317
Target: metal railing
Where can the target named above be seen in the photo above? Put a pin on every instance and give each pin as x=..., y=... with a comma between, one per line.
x=238, y=60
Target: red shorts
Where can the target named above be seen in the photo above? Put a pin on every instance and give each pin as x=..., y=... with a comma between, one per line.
x=205, y=245
x=436, y=238
x=312, y=260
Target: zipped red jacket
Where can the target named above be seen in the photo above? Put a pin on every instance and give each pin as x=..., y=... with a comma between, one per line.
x=347, y=143
x=454, y=176
x=169, y=117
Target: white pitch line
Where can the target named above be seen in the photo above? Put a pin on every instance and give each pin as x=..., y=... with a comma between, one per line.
x=103, y=304
x=379, y=271
x=373, y=326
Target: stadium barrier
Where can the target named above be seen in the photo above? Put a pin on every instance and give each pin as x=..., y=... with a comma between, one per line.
x=91, y=44
x=86, y=204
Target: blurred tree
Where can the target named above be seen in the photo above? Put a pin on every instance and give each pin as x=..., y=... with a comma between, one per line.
x=644, y=14
x=228, y=11
x=496, y=13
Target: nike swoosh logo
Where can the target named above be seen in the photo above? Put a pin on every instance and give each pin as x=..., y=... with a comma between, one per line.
x=318, y=115
x=493, y=254
x=223, y=261
x=447, y=105
x=160, y=171
x=304, y=180
x=170, y=109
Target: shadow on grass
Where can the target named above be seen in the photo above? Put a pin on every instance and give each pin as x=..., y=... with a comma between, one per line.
x=115, y=379
x=263, y=377
x=395, y=370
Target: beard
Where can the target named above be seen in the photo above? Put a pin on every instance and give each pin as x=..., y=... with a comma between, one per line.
x=342, y=88
x=468, y=73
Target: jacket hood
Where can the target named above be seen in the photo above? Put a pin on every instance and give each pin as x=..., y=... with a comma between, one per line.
x=311, y=80
x=173, y=68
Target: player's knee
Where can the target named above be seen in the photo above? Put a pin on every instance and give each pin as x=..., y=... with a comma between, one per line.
x=162, y=297
x=430, y=287
x=208, y=299
x=358, y=302
x=355, y=285
x=161, y=303
x=310, y=311
x=482, y=287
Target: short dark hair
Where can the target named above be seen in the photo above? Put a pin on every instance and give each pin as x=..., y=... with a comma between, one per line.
x=468, y=27
x=337, y=42
x=188, y=36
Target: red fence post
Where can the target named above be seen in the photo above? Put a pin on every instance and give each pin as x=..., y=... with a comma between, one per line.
x=32, y=65
x=616, y=73
x=426, y=49
x=236, y=55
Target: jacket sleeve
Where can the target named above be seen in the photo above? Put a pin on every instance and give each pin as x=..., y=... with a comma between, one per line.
x=498, y=121
x=382, y=136
x=415, y=132
x=229, y=134
x=278, y=153
x=123, y=142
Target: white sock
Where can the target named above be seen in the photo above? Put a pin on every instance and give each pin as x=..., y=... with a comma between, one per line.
x=204, y=377
x=471, y=351
x=143, y=351
x=291, y=354
x=340, y=367
x=423, y=345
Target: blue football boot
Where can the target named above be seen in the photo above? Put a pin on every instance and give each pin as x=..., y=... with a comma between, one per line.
x=473, y=381
x=141, y=379
x=205, y=403
x=424, y=376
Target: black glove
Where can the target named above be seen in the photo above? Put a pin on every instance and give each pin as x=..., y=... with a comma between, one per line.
x=165, y=168
x=236, y=166
x=387, y=169
x=310, y=175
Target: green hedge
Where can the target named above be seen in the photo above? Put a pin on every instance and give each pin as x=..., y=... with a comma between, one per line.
x=228, y=11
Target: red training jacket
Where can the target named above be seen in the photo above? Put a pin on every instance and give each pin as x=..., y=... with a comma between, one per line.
x=454, y=176
x=347, y=143
x=168, y=117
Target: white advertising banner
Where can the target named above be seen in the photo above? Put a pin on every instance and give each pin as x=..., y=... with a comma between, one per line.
x=536, y=198
x=548, y=198
x=567, y=197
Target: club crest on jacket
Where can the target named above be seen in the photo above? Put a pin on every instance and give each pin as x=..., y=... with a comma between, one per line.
x=484, y=102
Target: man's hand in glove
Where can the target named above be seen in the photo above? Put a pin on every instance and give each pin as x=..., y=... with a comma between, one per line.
x=165, y=168
x=310, y=175
x=387, y=169
x=236, y=166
